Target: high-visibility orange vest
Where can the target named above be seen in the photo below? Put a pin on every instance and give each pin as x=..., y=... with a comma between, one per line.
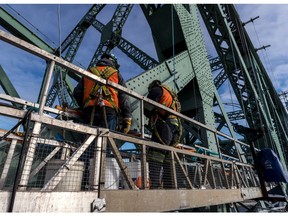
x=110, y=95
x=165, y=100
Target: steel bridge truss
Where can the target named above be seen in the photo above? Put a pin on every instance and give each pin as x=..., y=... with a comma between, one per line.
x=220, y=169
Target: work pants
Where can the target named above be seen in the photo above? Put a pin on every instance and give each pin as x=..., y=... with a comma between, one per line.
x=160, y=165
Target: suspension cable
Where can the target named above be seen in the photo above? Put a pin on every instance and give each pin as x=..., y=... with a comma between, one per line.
x=250, y=58
x=51, y=41
x=267, y=61
x=269, y=65
x=241, y=99
x=173, y=45
x=59, y=29
x=60, y=53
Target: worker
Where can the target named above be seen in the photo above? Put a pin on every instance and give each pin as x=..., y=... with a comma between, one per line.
x=93, y=98
x=101, y=105
x=166, y=129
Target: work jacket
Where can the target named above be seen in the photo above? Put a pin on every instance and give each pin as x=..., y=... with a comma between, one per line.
x=162, y=95
x=166, y=100
x=121, y=99
x=91, y=88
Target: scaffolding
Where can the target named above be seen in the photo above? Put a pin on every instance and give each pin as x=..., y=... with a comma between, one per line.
x=56, y=154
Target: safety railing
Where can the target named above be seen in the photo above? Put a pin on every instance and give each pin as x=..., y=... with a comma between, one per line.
x=67, y=165
x=66, y=156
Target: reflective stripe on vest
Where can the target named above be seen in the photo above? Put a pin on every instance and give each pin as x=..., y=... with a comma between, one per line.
x=110, y=95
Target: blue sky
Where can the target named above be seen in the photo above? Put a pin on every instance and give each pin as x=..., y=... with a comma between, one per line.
x=26, y=71
x=45, y=19
x=269, y=29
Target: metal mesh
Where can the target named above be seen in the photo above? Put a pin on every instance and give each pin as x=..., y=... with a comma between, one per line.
x=8, y=163
x=58, y=164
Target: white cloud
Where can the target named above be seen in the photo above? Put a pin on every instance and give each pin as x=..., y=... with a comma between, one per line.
x=269, y=29
x=280, y=74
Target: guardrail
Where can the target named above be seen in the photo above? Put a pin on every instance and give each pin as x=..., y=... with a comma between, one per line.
x=77, y=153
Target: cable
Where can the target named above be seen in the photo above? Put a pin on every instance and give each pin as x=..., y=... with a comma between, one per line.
x=267, y=61
x=273, y=111
x=63, y=102
x=257, y=85
x=31, y=24
x=59, y=28
x=39, y=30
x=25, y=121
x=173, y=46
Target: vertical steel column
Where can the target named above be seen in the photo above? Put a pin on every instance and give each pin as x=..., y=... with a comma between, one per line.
x=46, y=87
x=142, y=118
x=97, y=162
x=36, y=131
x=199, y=62
x=144, y=157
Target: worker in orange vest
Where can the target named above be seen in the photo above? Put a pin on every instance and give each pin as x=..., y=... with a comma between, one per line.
x=166, y=129
x=116, y=103
x=102, y=105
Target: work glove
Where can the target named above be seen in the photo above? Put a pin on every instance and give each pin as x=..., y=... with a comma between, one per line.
x=126, y=125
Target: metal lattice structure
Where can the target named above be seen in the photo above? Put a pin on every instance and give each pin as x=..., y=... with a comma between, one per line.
x=215, y=156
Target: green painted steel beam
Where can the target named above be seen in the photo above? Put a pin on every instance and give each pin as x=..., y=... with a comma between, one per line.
x=195, y=44
x=69, y=47
x=82, y=26
x=7, y=85
x=111, y=32
x=18, y=29
x=249, y=80
x=188, y=66
x=142, y=59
